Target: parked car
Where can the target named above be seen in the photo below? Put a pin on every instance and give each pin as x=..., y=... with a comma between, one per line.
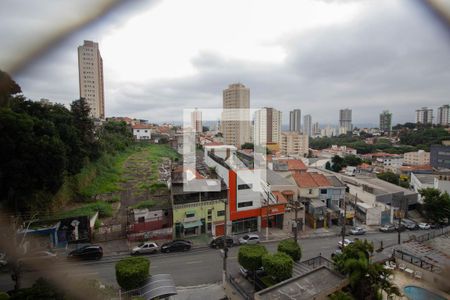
x=424, y=226
x=357, y=231
x=411, y=225
x=177, y=245
x=346, y=243
x=249, y=274
x=388, y=228
x=144, y=248
x=38, y=257
x=249, y=239
x=336, y=252
x=218, y=242
x=87, y=252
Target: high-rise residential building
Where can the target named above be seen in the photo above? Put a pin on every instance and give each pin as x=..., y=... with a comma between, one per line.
x=294, y=144
x=443, y=115
x=267, y=128
x=90, y=72
x=345, y=120
x=295, y=119
x=424, y=115
x=196, y=120
x=236, y=117
x=307, y=125
x=386, y=121
x=316, y=129
x=328, y=131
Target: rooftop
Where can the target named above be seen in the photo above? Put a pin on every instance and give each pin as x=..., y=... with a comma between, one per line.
x=311, y=179
x=426, y=178
x=273, y=178
x=307, y=286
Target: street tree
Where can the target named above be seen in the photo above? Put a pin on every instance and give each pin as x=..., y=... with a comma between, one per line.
x=250, y=256
x=132, y=272
x=291, y=248
x=436, y=205
x=278, y=266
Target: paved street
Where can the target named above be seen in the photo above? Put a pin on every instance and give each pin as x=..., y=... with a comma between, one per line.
x=198, y=266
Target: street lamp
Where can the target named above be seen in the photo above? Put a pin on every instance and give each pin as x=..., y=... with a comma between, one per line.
x=266, y=187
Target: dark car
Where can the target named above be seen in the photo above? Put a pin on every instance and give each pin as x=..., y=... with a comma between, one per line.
x=177, y=245
x=87, y=252
x=218, y=242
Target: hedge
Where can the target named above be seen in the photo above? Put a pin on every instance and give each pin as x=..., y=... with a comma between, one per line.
x=4, y=296
x=132, y=272
x=250, y=256
x=291, y=248
x=278, y=265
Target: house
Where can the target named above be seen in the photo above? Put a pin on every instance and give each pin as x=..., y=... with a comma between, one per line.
x=337, y=150
x=141, y=131
x=310, y=186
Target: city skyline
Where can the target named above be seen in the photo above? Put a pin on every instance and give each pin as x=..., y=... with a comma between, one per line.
x=155, y=84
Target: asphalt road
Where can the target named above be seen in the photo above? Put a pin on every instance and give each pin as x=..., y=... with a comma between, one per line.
x=195, y=267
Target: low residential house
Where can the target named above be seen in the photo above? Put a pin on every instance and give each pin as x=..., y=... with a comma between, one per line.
x=285, y=167
x=310, y=186
x=338, y=150
x=407, y=170
x=285, y=190
x=142, y=131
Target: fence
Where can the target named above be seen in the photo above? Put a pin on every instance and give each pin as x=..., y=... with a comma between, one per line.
x=318, y=261
x=238, y=288
x=159, y=234
x=431, y=235
x=416, y=261
x=109, y=232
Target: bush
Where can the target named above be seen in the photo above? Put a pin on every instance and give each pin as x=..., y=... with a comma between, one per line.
x=132, y=272
x=4, y=296
x=291, y=248
x=278, y=265
x=250, y=256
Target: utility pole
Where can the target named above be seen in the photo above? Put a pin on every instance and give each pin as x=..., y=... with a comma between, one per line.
x=400, y=215
x=343, y=224
x=225, y=248
x=296, y=222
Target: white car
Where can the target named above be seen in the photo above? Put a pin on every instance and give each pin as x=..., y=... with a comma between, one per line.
x=144, y=248
x=249, y=239
x=346, y=243
x=424, y=226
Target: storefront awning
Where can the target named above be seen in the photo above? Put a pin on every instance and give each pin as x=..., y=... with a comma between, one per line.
x=192, y=224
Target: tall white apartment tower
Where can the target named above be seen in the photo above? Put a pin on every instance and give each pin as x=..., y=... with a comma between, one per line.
x=295, y=118
x=443, y=115
x=307, y=125
x=235, y=124
x=90, y=72
x=424, y=115
x=267, y=126
x=345, y=120
x=196, y=120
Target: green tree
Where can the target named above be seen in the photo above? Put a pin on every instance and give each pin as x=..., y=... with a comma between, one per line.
x=291, y=248
x=278, y=266
x=328, y=166
x=436, y=205
x=389, y=177
x=132, y=272
x=250, y=256
x=367, y=279
x=85, y=126
x=352, y=160
x=338, y=163
x=8, y=88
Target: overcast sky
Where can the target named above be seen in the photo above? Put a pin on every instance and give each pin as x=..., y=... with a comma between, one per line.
x=162, y=56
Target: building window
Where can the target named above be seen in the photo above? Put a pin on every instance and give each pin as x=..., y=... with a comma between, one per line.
x=310, y=191
x=245, y=204
x=190, y=214
x=221, y=213
x=244, y=186
x=323, y=191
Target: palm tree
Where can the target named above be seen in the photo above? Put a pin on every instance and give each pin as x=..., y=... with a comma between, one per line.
x=367, y=279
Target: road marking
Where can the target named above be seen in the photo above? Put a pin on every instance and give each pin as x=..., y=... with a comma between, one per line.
x=193, y=262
